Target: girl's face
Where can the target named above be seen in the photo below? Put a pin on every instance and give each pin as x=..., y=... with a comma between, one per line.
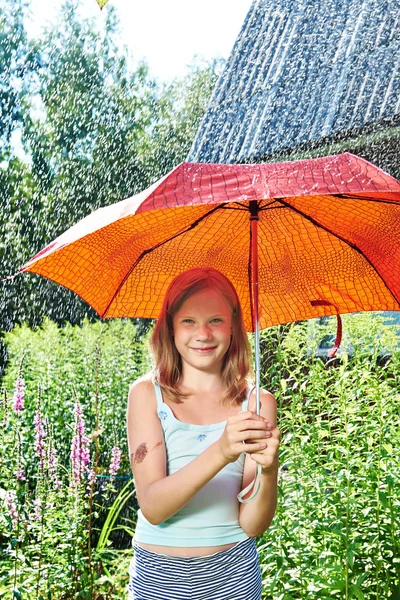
x=202, y=330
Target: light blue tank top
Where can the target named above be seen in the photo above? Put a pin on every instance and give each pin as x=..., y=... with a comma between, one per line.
x=211, y=518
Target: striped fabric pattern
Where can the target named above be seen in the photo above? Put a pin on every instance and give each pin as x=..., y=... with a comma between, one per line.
x=232, y=574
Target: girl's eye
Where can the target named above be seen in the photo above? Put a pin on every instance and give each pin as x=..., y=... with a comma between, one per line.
x=216, y=320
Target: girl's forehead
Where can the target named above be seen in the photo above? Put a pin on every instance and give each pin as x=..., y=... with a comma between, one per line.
x=206, y=300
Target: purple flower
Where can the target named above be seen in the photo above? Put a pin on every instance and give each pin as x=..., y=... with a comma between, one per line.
x=115, y=461
x=10, y=500
x=91, y=477
x=80, y=453
x=39, y=438
x=52, y=462
x=20, y=473
x=18, y=398
x=37, y=503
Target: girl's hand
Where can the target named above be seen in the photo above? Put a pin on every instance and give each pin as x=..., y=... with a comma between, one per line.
x=268, y=457
x=248, y=426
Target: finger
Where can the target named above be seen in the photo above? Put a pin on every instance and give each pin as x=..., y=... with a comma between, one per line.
x=272, y=445
x=254, y=435
x=249, y=448
x=249, y=414
x=275, y=433
x=251, y=424
x=255, y=418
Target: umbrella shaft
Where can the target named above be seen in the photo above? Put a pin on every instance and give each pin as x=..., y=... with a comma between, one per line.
x=254, y=284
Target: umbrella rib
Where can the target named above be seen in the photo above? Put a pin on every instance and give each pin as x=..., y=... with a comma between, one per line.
x=149, y=250
x=242, y=207
x=342, y=239
x=270, y=204
x=269, y=207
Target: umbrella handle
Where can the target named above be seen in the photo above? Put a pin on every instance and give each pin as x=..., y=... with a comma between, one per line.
x=256, y=480
x=339, y=331
x=256, y=483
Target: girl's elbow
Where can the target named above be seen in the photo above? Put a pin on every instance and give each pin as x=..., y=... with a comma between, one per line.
x=253, y=534
x=152, y=514
x=152, y=519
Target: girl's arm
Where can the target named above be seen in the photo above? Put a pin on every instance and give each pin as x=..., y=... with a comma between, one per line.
x=161, y=496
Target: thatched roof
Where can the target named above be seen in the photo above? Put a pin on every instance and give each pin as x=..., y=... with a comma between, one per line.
x=303, y=72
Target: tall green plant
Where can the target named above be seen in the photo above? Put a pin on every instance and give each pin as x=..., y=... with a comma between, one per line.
x=335, y=534
x=65, y=417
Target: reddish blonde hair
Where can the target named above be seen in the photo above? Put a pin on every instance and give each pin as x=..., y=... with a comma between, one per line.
x=236, y=369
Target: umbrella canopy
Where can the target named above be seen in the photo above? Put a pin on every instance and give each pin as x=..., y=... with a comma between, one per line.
x=297, y=239
x=328, y=240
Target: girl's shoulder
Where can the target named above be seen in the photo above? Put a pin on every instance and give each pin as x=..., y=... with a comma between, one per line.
x=268, y=407
x=266, y=398
x=142, y=395
x=146, y=377
x=143, y=383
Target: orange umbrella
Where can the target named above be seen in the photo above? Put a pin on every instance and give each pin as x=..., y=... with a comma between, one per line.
x=328, y=230
x=311, y=238
x=308, y=238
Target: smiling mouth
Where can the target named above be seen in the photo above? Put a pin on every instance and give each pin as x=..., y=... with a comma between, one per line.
x=204, y=349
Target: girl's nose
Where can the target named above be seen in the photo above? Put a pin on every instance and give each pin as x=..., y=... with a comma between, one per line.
x=203, y=331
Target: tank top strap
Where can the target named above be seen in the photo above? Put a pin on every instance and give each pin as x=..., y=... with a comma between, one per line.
x=245, y=403
x=158, y=396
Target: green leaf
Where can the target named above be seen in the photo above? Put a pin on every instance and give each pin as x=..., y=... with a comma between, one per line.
x=356, y=592
x=350, y=558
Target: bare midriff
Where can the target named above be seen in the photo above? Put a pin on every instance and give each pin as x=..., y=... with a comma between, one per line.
x=185, y=552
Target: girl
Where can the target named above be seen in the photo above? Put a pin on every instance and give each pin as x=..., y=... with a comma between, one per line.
x=194, y=441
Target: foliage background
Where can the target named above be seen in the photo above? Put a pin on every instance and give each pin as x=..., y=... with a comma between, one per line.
x=336, y=531
x=94, y=126
x=94, y=129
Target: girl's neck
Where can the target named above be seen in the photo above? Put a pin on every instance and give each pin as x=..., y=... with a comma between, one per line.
x=199, y=382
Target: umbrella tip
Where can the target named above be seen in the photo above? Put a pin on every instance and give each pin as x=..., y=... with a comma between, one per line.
x=10, y=277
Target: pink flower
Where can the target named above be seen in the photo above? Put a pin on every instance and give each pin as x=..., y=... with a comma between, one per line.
x=39, y=438
x=115, y=461
x=80, y=452
x=19, y=394
x=37, y=503
x=91, y=479
x=10, y=500
x=20, y=474
x=53, y=467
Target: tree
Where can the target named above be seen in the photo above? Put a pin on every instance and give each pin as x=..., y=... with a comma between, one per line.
x=94, y=131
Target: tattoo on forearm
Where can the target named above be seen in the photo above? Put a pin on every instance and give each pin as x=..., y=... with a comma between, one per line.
x=140, y=454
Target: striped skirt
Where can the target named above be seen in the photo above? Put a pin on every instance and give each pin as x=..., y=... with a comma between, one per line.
x=232, y=574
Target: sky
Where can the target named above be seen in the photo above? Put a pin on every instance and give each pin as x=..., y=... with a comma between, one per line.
x=167, y=33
